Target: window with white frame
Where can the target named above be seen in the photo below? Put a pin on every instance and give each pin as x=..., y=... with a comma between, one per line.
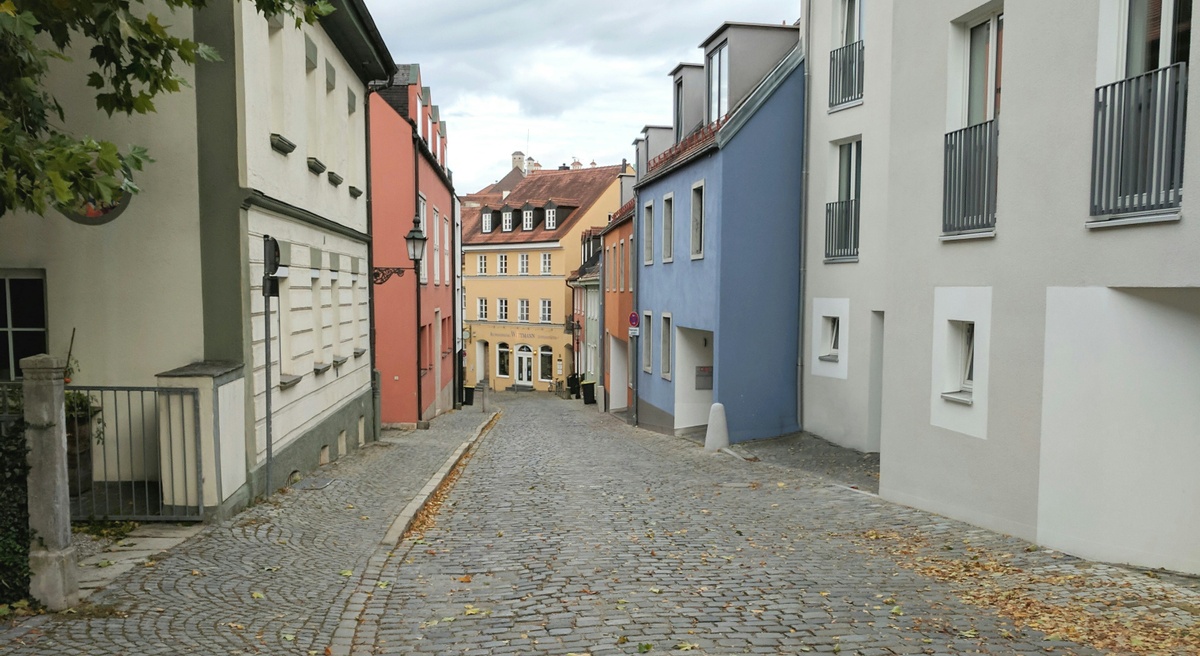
x=523, y=310
x=647, y=343
x=621, y=274
x=545, y=363
x=551, y=218
x=664, y=350
x=678, y=115
x=697, y=220
x=506, y=221
x=1158, y=34
x=503, y=360
x=985, y=51
x=436, y=228
x=648, y=233
x=546, y=309
x=523, y=264
x=831, y=337
x=546, y=264
x=668, y=228
x=481, y=309
x=965, y=333
x=527, y=220
x=487, y=221
x=446, y=248
x=502, y=309
x=422, y=212
x=23, y=320
x=850, y=17
x=502, y=264
x=481, y=264
x=718, y=82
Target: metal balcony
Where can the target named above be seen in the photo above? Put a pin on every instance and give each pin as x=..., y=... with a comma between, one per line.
x=846, y=74
x=841, y=230
x=969, y=180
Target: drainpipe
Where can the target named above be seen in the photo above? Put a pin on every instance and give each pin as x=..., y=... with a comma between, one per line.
x=416, y=266
x=376, y=391
x=804, y=210
x=634, y=278
x=455, y=299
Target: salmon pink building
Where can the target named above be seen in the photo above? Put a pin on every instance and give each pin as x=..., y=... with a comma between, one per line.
x=410, y=181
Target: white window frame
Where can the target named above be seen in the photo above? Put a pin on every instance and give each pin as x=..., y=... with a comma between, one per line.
x=697, y=250
x=545, y=374
x=502, y=309
x=504, y=347
x=668, y=228
x=849, y=18
x=506, y=221
x=831, y=338
x=648, y=234
x=487, y=222
x=523, y=310
x=547, y=311
x=547, y=264
x=481, y=309
x=481, y=264
x=436, y=226
x=423, y=212
x=502, y=264
x=523, y=264
x=994, y=17
x=665, y=337
x=647, y=342
x=716, y=71
x=621, y=274
x=551, y=218
x=527, y=220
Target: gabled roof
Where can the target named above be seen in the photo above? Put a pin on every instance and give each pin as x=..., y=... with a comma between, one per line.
x=573, y=192
x=621, y=216
x=353, y=31
x=507, y=183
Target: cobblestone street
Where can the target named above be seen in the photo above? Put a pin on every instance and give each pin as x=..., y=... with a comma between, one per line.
x=571, y=532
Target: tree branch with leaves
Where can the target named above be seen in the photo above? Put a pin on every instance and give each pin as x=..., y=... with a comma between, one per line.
x=134, y=57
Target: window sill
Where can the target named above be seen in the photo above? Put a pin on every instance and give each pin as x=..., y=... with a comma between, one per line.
x=963, y=397
x=1141, y=218
x=844, y=106
x=697, y=256
x=321, y=367
x=841, y=260
x=288, y=380
x=966, y=236
x=359, y=352
x=340, y=360
x=832, y=357
x=668, y=260
x=666, y=377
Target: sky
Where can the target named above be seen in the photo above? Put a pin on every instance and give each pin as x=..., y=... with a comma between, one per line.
x=554, y=79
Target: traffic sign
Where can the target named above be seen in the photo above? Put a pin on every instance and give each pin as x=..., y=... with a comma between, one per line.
x=634, y=320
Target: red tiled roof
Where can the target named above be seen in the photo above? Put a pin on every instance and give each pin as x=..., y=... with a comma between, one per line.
x=692, y=143
x=620, y=216
x=573, y=191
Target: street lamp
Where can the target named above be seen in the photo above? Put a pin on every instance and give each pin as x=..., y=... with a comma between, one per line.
x=415, y=241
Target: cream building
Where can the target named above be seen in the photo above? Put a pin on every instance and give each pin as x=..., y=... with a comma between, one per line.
x=519, y=248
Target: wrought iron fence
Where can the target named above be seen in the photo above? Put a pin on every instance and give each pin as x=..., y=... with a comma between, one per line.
x=841, y=229
x=969, y=181
x=1137, y=147
x=846, y=74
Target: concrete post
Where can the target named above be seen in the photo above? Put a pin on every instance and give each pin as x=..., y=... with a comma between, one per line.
x=717, y=436
x=55, y=580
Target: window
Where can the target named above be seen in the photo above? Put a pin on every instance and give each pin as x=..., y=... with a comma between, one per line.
x=664, y=353
x=551, y=218
x=1148, y=46
x=503, y=359
x=502, y=309
x=678, y=110
x=481, y=264
x=487, y=221
x=446, y=247
x=546, y=264
x=436, y=227
x=545, y=363
x=648, y=234
x=523, y=310
x=621, y=281
x=697, y=220
x=647, y=343
x=22, y=321
x=421, y=212
x=718, y=83
x=851, y=19
x=841, y=216
x=523, y=264
x=481, y=309
x=502, y=264
x=962, y=359
x=830, y=338
x=967, y=362
x=527, y=220
x=668, y=228
x=984, y=69
x=546, y=308
x=506, y=221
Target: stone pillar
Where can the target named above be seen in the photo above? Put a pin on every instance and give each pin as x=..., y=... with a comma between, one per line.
x=55, y=580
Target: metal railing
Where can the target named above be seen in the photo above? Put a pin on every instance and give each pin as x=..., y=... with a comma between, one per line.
x=846, y=74
x=969, y=180
x=841, y=229
x=1137, y=147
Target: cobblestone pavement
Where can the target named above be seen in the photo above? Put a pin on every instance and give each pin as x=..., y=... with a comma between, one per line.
x=570, y=532
x=276, y=579
x=817, y=456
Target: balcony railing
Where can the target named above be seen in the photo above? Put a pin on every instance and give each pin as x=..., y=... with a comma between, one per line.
x=846, y=74
x=841, y=229
x=1137, y=149
x=969, y=185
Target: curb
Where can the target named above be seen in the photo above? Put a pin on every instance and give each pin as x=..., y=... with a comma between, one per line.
x=402, y=522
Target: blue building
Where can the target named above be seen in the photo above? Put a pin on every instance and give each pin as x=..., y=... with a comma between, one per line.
x=718, y=240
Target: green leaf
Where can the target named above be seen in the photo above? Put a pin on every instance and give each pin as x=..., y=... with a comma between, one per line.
x=346, y=572
x=62, y=188
x=256, y=595
x=207, y=53
x=645, y=647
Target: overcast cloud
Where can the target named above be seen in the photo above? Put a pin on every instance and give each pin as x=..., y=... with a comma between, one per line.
x=553, y=79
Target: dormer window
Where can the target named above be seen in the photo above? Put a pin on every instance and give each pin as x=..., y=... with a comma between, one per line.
x=487, y=221
x=551, y=218
x=506, y=221
x=527, y=220
x=718, y=83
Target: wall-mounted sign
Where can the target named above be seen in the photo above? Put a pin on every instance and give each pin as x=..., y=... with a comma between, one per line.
x=634, y=331
x=634, y=319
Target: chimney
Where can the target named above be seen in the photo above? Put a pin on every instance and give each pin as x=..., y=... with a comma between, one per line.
x=576, y=164
x=518, y=161
x=593, y=164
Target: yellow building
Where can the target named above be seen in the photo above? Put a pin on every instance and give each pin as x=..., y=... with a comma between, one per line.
x=518, y=249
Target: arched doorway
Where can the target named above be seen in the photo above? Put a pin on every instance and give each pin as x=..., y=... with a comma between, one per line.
x=525, y=365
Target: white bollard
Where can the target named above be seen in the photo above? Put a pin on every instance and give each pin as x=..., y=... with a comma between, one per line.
x=717, y=436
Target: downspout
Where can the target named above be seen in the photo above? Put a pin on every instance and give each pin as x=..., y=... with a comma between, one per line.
x=416, y=267
x=376, y=384
x=633, y=281
x=805, y=131
x=460, y=357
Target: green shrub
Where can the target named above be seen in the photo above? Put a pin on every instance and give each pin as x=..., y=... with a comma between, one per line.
x=15, y=535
